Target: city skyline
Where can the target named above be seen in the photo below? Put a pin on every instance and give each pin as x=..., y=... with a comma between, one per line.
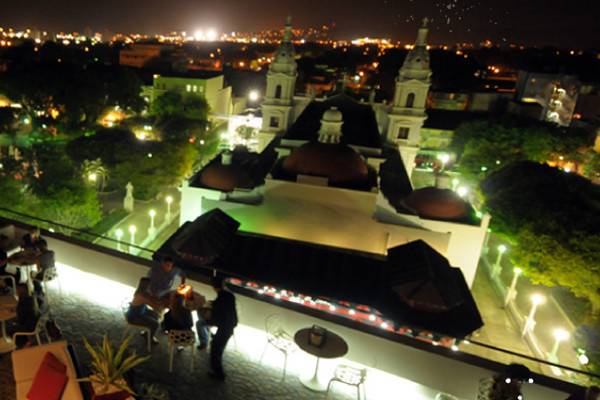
x=452, y=21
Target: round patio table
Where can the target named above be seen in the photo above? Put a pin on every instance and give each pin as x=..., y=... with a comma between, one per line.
x=334, y=347
x=26, y=261
x=8, y=311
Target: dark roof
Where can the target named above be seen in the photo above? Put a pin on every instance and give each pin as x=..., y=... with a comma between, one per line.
x=414, y=285
x=450, y=120
x=360, y=126
x=247, y=169
x=394, y=182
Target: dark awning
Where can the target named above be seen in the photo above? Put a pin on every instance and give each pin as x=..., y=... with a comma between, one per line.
x=413, y=286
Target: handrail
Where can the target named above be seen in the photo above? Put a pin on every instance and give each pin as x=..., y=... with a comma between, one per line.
x=75, y=229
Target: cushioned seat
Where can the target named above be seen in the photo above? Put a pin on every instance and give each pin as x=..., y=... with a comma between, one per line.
x=26, y=362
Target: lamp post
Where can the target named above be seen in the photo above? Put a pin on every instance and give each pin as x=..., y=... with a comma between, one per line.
x=486, y=241
x=119, y=235
x=512, y=290
x=132, y=230
x=152, y=229
x=497, y=268
x=560, y=335
x=536, y=300
x=169, y=200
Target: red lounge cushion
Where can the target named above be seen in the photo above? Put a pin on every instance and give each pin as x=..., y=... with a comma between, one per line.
x=54, y=362
x=49, y=382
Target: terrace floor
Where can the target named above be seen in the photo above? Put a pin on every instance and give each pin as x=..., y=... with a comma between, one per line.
x=82, y=315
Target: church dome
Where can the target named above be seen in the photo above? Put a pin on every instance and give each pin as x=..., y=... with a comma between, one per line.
x=225, y=177
x=333, y=115
x=434, y=203
x=339, y=163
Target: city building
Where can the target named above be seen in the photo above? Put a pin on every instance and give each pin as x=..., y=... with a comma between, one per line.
x=138, y=55
x=209, y=86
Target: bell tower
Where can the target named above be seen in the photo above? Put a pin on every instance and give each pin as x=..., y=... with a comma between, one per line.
x=278, y=103
x=407, y=113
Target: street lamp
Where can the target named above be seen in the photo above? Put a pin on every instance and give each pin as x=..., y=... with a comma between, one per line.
x=444, y=158
x=536, y=300
x=512, y=290
x=497, y=267
x=132, y=230
x=152, y=229
x=119, y=235
x=169, y=200
x=560, y=335
x=462, y=191
x=486, y=242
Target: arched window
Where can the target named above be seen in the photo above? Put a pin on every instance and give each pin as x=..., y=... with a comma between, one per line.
x=410, y=100
x=278, y=92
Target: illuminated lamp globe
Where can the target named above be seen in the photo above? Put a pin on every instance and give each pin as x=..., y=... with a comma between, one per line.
x=538, y=299
x=560, y=334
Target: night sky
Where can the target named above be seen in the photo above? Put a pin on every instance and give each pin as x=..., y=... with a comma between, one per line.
x=566, y=23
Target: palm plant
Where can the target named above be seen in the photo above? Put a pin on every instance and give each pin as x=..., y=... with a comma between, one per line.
x=110, y=365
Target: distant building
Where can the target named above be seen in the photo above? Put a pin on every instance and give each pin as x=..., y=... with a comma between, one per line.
x=210, y=87
x=139, y=55
x=556, y=95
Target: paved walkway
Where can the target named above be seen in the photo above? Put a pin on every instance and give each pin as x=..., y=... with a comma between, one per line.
x=247, y=379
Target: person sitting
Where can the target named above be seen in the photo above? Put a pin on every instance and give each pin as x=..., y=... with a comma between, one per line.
x=27, y=316
x=178, y=317
x=162, y=277
x=31, y=239
x=139, y=313
x=506, y=385
x=45, y=262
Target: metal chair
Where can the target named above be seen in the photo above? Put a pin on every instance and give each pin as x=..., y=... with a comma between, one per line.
x=279, y=339
x=51, y=274
x=40, y=327
x=144, y=330
x=177, y=338
x=349, y=376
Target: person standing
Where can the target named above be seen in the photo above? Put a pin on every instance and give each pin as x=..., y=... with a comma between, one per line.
x=163, y=276
x=224, y=317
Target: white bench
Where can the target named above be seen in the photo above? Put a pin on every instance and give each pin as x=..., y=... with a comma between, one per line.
x=26, y=362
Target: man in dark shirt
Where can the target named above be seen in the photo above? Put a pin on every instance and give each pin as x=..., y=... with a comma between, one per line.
x=224, y=317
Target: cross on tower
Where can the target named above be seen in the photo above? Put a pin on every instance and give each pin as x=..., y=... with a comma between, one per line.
x=425, y=22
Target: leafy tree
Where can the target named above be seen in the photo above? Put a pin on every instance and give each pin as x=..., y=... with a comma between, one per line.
x=174, y=105
x=488, y=145
x=553, y=220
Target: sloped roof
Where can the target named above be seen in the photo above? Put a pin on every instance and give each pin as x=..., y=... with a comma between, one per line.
x=360, y=126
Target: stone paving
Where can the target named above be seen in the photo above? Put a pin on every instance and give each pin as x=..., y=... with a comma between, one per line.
x=247, y=379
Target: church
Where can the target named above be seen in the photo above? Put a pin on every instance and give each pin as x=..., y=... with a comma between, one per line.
x=335, y=171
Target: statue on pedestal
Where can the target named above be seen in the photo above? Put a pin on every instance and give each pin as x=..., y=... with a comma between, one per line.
x=129, y=200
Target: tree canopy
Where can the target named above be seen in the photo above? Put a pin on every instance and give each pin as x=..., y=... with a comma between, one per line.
x=172, y=104
x=488, y=145
x=553, y=220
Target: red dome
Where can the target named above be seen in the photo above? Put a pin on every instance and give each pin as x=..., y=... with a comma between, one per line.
x=225, y=177
x=431, y=202
x=338, y=162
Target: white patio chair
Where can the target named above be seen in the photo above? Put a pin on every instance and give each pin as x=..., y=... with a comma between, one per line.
x=177, y=339
x=40, y=327
x=51, y=274
x=349, y=376
x=278, y=338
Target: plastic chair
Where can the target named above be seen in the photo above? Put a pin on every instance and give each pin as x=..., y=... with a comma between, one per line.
x=51, y=274
x=40, y=327
x=144, y=330
x=279, y=339
x=177, y=338
x=349, y=376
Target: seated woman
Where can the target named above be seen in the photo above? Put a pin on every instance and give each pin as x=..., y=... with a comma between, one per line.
x=45, y=262
x=27, y=316
x=31, y=240
x=178, y=317
x=139, y=313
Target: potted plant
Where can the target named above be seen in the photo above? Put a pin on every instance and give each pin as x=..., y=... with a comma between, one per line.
x=109, y=366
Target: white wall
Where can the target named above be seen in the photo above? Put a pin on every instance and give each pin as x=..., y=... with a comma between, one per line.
x=429, y=369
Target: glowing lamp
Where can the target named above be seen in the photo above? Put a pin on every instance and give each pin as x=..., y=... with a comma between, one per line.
x=169, y=199
x=119, y=233
x=184, y=290
x=538, y=299
x=132, y=229
x=152, y=213
x=502, y=249
x=560, y=334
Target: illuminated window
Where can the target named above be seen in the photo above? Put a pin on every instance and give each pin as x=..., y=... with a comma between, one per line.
x=274, y=122
x=403, y=132
x=195, y=88
x=188, y=88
